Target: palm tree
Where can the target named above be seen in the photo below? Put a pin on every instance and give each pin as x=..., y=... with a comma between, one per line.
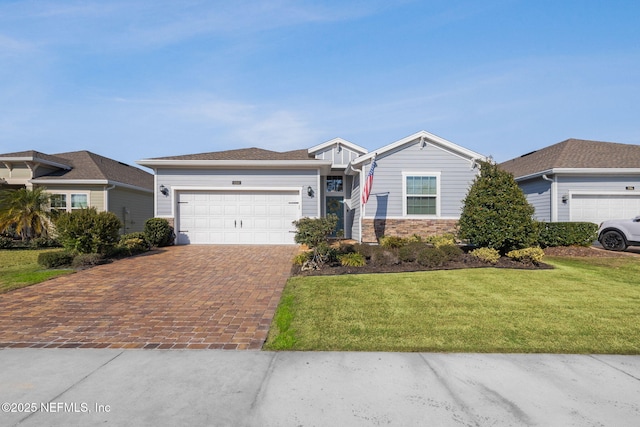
x=27, y=210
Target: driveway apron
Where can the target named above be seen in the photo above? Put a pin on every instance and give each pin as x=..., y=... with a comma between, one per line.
x=196, y=297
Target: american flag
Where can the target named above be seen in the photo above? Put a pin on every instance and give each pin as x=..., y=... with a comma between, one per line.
x=368, y=183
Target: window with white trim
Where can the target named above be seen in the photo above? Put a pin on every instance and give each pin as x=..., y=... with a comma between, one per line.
x=69, y=201
x=421, y=194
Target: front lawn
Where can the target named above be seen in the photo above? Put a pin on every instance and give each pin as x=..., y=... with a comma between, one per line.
x=584, y=305
x=19, y=268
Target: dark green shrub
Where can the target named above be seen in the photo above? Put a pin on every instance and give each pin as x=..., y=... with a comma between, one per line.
x=364, y=249
x=353, y=259
x=326, y=253
x=392, y=242
x=87, y=260
x=409, y=252
x=6, y=242
x=315, y=232
x=496, y=213
x=55, y=259
x=87, y=231
x=431, y=257
x=452, y=252
x=44, y=242
x=158, y=232
x=567, y=233
x=383, y=257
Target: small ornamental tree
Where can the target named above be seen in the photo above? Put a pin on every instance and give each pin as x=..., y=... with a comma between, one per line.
x=315, y=232
x=496, y=213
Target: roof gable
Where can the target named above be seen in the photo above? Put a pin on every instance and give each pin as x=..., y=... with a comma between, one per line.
x=575, y=154
x=422, y=137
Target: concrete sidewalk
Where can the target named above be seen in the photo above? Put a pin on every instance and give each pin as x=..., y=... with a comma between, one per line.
x=250, y=388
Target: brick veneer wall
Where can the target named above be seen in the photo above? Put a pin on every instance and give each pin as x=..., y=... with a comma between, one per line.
x=373, y=229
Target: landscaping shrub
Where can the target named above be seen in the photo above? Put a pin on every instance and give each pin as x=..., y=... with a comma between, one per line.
x=55, y=259
x=532, y=255
x=87, y=260
x=158, y=232
x=567, y=233
x=452, y=252
x=409, y=252
x=6, y=242
x=364, y=249
x=133, y=243
x=441, y=240
x=431, y=257
x=496, y=213
x=414, y=238
x=44, y=242
x=488, y=255
x=87, y=231
x=383, y=257
x=352, y=260
x=392, y=242
x=315, y=232
x=302, y=257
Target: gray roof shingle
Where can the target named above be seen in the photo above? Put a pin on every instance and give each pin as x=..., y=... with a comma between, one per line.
x=244, y=154
x=575, y=154
x=36, y=155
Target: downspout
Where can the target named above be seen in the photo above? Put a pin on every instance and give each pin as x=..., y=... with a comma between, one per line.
x=106, y=196
x=554, y=201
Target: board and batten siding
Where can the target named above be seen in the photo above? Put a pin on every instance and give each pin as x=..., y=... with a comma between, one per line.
x=139, y=205
x=224, y=178
x=568, y=184
x=456, y=176
x=338, y=157
x=538, y=194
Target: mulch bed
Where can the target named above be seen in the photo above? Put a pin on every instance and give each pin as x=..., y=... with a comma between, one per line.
x=465, y=261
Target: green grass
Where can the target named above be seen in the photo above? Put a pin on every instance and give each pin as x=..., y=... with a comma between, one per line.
x=582, y=306
x=19, y=268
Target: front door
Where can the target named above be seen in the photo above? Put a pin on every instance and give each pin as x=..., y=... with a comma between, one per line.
x=335, y=205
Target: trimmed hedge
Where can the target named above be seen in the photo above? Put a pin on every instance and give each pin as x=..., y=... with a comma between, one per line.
x=567, y=233
x=158, y=232
x=55, y=259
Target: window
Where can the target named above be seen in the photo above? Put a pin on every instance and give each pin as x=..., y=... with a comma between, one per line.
x=61, y=201
x=421, y=194
x=334, y=184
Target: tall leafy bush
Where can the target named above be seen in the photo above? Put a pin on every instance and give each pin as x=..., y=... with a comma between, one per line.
x=159, y=232
x=496, y=213
x=88, y=231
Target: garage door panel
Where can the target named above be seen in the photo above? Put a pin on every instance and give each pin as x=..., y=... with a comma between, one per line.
x=601, y=207
x=252, y=217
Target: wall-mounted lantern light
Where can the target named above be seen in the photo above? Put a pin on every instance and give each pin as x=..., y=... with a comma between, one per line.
x=565, y=198
x=164, y=190
x=309, y=191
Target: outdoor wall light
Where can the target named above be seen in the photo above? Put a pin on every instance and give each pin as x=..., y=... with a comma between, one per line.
x=565, y=198
x=309, y=191
x=164, y=190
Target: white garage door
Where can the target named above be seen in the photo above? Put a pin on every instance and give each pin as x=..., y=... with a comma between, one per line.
x=598, y=208
x=246, y=217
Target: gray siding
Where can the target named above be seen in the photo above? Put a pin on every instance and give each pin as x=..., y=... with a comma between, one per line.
x=340, y=157
x=138, y=206
x=595, y=184
x=223, y=178
x=538, y=193
x=456, y=176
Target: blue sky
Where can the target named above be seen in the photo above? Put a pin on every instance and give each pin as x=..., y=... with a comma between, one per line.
x=138, y=79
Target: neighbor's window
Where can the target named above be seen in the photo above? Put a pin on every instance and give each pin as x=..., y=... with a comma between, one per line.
x=334, y=184
x=79, y=201
x=59, y=202
x=421, y=194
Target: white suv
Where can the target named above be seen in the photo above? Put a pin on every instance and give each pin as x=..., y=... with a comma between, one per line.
x=617, y=234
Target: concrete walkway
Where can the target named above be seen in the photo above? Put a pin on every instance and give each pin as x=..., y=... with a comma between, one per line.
x=196, y=297
x=85, y=387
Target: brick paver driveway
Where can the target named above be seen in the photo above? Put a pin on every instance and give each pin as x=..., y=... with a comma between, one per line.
x=181, y=297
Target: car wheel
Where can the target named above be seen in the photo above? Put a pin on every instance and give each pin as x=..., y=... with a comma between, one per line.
x=613, y=241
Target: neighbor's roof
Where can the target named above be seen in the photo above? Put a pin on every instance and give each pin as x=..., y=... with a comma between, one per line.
x=32, y=155
x=86, y=165
x=243, y=154
x=575, y=154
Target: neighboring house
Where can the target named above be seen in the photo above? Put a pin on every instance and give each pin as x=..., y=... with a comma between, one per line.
x=253, y=195
x=578, y=180
x=80, y=179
